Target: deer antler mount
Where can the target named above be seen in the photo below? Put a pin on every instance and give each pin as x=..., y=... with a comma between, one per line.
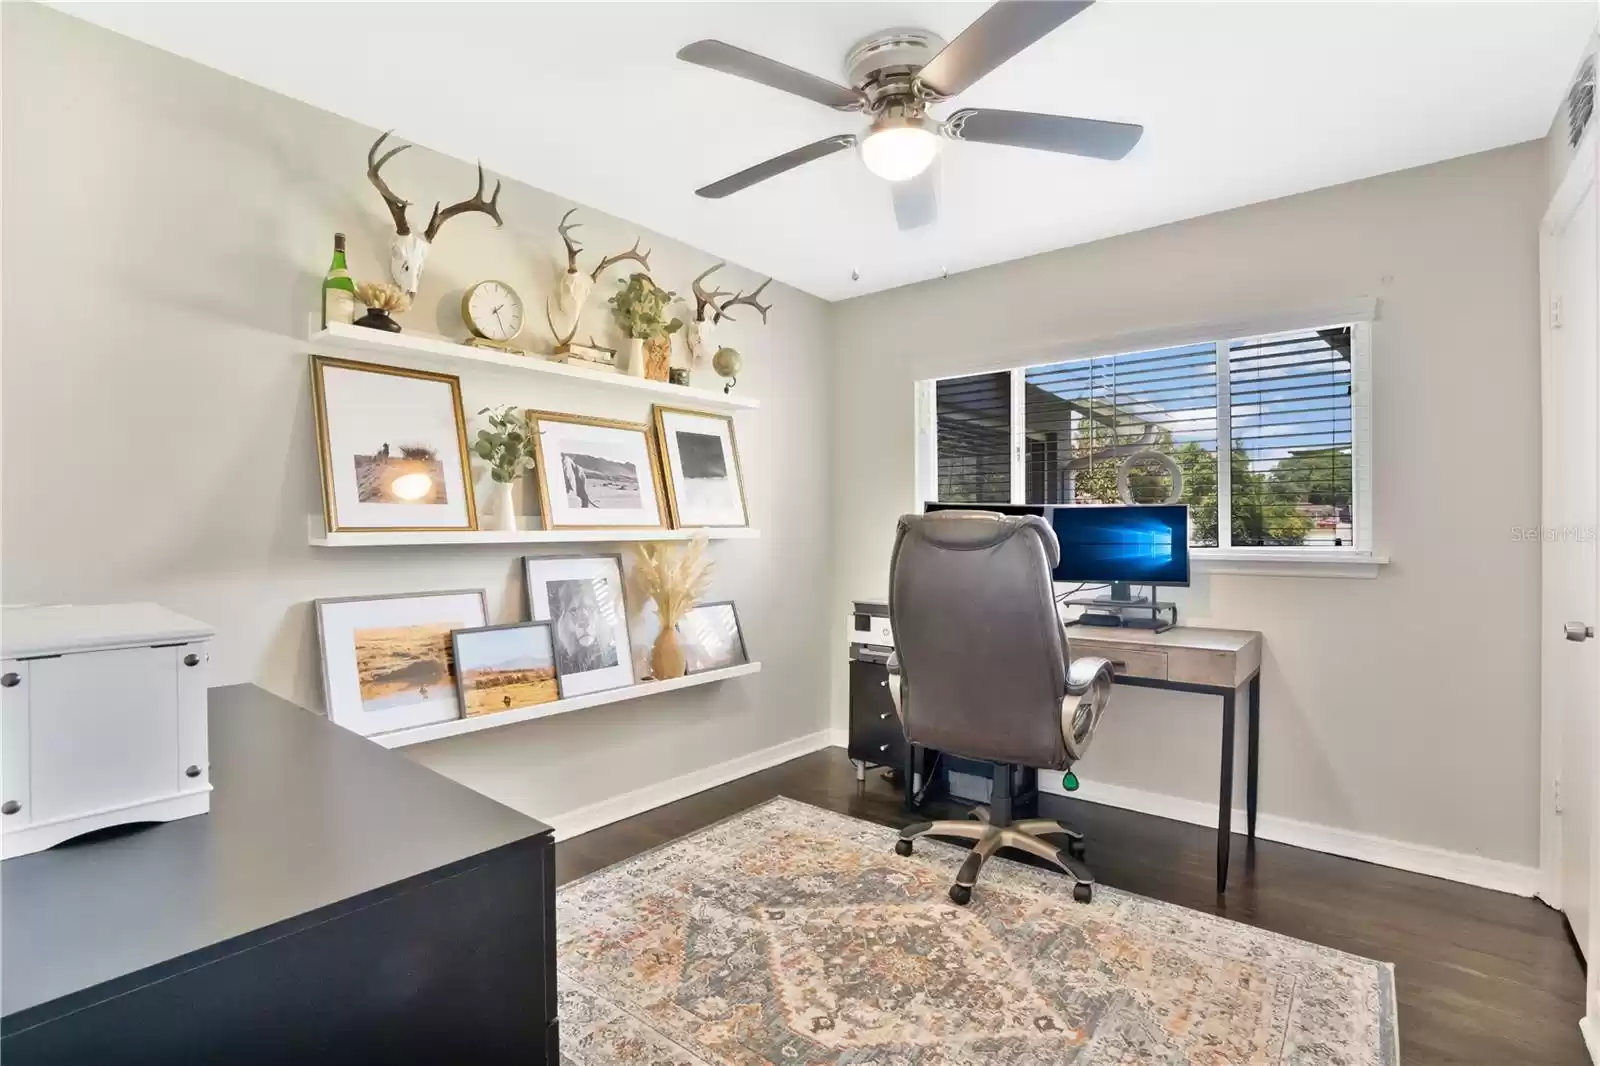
x=409, y=251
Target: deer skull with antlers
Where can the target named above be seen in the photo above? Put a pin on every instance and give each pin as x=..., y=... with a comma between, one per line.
x=699, y=335
x=576, y=286
x=409, y=251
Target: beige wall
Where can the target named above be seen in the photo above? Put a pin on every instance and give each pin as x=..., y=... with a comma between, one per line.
x=165, y=228
x=1405, y=706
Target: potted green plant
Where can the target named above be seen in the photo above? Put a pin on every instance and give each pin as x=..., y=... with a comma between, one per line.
x=507, y=446
x=640, y=307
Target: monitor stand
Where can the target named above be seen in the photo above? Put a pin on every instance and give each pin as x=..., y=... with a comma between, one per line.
x=1124, y=609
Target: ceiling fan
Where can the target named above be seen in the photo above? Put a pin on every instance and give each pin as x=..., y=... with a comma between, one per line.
x=895, y=77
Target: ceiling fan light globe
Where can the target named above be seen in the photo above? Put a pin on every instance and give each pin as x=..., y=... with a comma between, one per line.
x=901, y=151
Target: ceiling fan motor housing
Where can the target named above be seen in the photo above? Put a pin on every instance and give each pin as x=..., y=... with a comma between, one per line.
x=883, y=65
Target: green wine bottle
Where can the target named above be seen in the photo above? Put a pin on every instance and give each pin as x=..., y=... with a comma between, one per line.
x=338, y=291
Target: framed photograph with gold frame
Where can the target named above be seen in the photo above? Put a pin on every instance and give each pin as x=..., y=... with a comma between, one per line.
x=393, y=447
x=700, y=465
x=595, y=473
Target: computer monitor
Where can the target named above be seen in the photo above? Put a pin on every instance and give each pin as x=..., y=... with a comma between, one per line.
x=995, y=508
x=1139, y=545
x=1107, y=544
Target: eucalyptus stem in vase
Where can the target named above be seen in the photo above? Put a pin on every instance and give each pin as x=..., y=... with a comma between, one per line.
x=507, y=446
x=640, y=308
x=674, y=577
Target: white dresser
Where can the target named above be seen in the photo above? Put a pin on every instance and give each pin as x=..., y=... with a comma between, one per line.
x=102, y=720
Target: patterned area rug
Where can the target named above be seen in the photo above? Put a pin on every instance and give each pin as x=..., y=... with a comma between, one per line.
x=793, y=935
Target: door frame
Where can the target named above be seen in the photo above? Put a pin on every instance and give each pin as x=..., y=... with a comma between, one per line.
x=1578, y=182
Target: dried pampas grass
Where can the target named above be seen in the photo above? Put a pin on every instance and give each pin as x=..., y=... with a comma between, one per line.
x=383, y=295
x=673, y=576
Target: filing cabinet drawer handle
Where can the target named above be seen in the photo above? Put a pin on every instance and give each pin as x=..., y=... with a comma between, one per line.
x=1118, y=664
x=193, y=771
x=10, y=807
x=11, y=680
x=191, y=659
x=884, y=683
x=884, y=716
x=883, y=747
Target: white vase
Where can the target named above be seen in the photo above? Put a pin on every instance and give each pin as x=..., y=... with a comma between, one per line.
x=504, y=515
x=636, y=357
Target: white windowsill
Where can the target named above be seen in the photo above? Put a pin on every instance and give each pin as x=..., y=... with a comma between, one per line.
x=1288, y=562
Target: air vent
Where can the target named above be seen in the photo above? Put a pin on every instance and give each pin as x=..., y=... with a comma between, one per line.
x=1580, y=101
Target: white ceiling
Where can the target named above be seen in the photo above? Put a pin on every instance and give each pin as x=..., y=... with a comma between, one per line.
x=1241, y=102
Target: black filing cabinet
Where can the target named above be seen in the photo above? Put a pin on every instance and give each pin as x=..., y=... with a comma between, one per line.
x=875, y=735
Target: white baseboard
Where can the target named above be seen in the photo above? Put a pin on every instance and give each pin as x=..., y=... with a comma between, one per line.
x=1417, y=858
x=1590, y=1029
x=583, y=819
x=838, y=737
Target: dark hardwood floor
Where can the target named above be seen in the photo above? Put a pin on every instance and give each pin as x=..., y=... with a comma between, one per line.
x=1482, y=977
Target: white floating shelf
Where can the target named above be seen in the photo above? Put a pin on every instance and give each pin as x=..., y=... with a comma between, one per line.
x=422, y=350
x=320, y=539
x=404, y=738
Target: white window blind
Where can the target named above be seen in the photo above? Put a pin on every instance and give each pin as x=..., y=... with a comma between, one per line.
x=974, y=438
x=1267, y=430
x=1083, y=419
x=1289, y=408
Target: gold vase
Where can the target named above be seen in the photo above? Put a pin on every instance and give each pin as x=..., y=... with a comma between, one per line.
x=666, y=658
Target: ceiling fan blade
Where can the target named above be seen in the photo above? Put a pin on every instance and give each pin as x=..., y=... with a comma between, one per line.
x=1048, y=133
x=916, y=200
x=717, y=55
x=1000, y=33
x=771, y=168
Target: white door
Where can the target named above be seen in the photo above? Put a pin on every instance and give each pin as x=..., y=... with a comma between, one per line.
x=1571, y=657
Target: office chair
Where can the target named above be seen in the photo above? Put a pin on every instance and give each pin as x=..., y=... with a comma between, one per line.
x=981, y=669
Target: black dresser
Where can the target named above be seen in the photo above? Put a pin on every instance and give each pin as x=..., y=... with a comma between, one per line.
x=339, y=904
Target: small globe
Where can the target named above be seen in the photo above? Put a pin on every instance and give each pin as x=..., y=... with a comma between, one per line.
x=727, y=363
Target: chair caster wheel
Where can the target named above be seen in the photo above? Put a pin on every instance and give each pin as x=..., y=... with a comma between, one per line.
x=1076, y=849
x=960, y=895
x=1083, y=893
x=902, y=847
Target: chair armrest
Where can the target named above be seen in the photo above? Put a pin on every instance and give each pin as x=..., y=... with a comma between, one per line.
x=896, y=683
x=1089, y=682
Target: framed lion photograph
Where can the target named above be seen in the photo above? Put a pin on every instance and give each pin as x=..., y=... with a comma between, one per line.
x=581, y=596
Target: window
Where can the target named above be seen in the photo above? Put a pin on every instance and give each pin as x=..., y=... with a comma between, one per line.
x=974, y=420
x=1268, y=430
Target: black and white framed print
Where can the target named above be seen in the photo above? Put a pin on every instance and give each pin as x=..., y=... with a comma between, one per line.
x=700, y=464
x=582, y=597
x=595, y=473
x=393, y=447
x=710, y=637
x=388, y=662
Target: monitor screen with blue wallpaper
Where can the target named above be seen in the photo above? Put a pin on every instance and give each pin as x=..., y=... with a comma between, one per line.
x=1146, y=545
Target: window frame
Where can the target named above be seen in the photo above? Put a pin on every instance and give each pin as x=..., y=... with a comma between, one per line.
x=1357, y=560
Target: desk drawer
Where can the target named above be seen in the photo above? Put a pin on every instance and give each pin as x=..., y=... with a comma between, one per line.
x=875, y=733
x=1135, y=662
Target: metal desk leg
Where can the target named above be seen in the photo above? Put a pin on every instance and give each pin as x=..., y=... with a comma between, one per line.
x=1225, y=804
x=1253, y=754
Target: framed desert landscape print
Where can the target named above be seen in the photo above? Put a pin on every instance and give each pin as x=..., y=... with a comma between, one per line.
x=700, y=464
x=388, y=662
x=504, y=668
x=711, y=638
x=594, y=473
x=393, y=448
x=582, y=597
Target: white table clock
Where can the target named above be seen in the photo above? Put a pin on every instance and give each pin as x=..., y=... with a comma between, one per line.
x=102, y=721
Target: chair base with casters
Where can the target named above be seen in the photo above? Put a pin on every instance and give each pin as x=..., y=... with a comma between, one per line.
x=990, y=829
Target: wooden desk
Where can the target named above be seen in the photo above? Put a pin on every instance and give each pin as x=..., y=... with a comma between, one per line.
x=1213, y=662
